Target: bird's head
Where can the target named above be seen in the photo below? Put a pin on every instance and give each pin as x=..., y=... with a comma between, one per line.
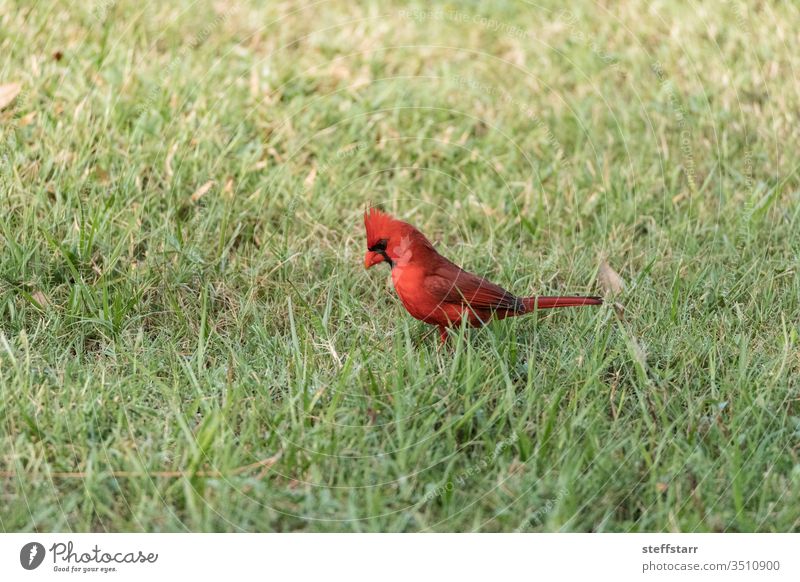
x=388, y=239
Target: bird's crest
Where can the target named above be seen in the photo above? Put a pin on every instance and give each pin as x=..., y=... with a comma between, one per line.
x=378, y=225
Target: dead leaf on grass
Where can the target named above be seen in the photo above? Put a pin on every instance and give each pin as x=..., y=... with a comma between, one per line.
x=202, y=190
x=8, y=93
x=41, y=299
x=609, y=279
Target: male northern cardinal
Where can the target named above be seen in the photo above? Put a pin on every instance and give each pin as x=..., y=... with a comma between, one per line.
x=436, y=290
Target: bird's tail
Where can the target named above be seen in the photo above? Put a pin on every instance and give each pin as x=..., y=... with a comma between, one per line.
x=533, y=303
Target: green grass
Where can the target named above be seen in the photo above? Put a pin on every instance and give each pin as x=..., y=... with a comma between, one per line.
x=144, y=332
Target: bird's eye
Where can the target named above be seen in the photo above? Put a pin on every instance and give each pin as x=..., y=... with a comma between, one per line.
x=379, y=246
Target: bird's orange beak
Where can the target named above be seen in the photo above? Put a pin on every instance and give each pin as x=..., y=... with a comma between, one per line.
x=372, y=258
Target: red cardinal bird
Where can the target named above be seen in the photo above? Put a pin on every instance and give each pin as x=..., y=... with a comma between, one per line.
x=438, y=291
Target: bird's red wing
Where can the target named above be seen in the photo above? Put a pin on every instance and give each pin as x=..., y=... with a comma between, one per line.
x=454, y=285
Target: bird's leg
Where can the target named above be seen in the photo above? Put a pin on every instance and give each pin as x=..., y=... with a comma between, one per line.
x=443, y=334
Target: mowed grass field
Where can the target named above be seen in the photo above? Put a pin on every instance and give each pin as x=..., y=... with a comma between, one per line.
x=189, y=340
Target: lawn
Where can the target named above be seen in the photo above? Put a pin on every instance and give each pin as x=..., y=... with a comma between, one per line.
x=189, y=340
